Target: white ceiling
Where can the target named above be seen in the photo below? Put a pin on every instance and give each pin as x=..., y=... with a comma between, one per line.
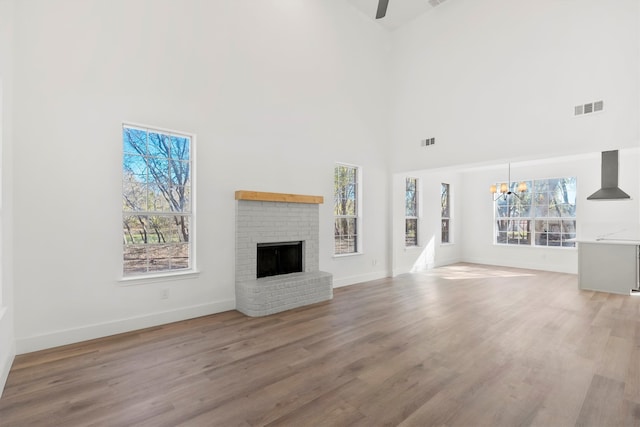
x=399, y=12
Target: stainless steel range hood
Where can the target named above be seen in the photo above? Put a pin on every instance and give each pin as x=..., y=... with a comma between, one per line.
x=609, y=177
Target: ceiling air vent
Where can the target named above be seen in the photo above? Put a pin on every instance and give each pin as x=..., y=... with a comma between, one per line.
x=434, y=3
x=591, y=107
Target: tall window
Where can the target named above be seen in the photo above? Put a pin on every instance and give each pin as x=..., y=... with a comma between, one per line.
x=411, y=212
x=445, y=213
x=543, y=216
x=157, y=205
x=346, y=208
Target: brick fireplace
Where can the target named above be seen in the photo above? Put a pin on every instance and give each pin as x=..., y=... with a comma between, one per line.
x=271, y=218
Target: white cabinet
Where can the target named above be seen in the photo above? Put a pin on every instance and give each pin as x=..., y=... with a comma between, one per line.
x=608, y=267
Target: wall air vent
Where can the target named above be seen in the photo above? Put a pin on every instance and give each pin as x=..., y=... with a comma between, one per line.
x=434, y=3
x=598, y=105
x=427, y=142
x=591, y=107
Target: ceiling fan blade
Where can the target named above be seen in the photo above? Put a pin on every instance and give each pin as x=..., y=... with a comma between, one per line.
x=382, y=8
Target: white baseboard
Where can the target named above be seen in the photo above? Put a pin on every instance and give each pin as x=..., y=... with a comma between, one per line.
x=99, y=330
x=5, y=368
x=359, y=278
x=526, y=265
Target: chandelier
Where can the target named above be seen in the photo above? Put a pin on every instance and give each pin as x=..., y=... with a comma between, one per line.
x=505, y=188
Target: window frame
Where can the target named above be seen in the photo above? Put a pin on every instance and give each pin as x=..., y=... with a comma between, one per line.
x=416, y=209
x=533, y=218
x=357, y=216
x=445, y=218
x=190, y=213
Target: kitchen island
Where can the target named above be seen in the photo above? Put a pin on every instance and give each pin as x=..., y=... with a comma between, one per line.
x=608, y=265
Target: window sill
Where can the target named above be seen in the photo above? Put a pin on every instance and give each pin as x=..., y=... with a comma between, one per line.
x=447, y=244
x=413, y=248
x=564, y=248
x=347, y=255
x=155, y=278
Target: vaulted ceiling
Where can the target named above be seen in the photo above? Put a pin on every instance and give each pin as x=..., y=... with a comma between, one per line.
x=399, y=12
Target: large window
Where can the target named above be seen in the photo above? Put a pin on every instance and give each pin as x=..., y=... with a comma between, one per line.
x=411, y=212
x=157, y=205
x=445, y=213
x=346, y=208
x=543, y=216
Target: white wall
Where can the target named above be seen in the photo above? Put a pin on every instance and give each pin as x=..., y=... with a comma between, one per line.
x=473, y=218
x=499, y=79
x=593, y=217
x=496, y=81
x=430, y=252
x=7, y=340
x=276, y=91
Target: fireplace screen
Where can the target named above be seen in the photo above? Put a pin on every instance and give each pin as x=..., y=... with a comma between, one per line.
x=279, y=258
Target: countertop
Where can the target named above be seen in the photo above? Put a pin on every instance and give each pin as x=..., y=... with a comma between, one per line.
x=609, y=241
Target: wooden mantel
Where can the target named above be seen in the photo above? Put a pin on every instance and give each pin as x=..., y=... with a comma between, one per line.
x=259, y=196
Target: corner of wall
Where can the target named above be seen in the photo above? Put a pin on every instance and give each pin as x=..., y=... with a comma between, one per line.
x=7, y=354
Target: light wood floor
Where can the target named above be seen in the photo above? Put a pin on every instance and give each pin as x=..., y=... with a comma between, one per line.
x=464, y=345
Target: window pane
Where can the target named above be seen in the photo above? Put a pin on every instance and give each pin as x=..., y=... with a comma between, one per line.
x=135, y=166
x=159, y=257
x=411, y=206
x=569, y=227
x=519, y=232
x=179, y=256
x=542, y=210
x=548, y=233
x=551, y=198
x=444, y=201
x=135, y=259
x=134, y=141
x=158, y=145
x=567, y=210
x=345, y=235
x=502, y=225
x=181, y=226
x=345, y=187
x=445, y=213
x=180, y=149
x=503, y=208
x=156, y=179
x=180, y=172
x=541, y=186
x=411, y=232
x=135, y=229
x=445, y=231
x=180, y=199
x=346, y=209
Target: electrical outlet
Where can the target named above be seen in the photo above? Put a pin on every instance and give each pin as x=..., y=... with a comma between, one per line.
x=164, y=294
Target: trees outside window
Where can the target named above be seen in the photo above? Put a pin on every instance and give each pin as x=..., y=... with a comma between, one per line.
x=543, y=216
x=346, y=209
x=445, y=213
x=411, y=212
x=157, y=202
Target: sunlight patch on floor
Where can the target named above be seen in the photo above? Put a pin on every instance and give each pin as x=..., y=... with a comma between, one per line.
x=461, y=272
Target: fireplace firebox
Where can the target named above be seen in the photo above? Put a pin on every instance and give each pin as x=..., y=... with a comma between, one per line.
x=279, y=258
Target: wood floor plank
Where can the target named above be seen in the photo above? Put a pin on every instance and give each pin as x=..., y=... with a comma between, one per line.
x=603, y=403
x=454, y=346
